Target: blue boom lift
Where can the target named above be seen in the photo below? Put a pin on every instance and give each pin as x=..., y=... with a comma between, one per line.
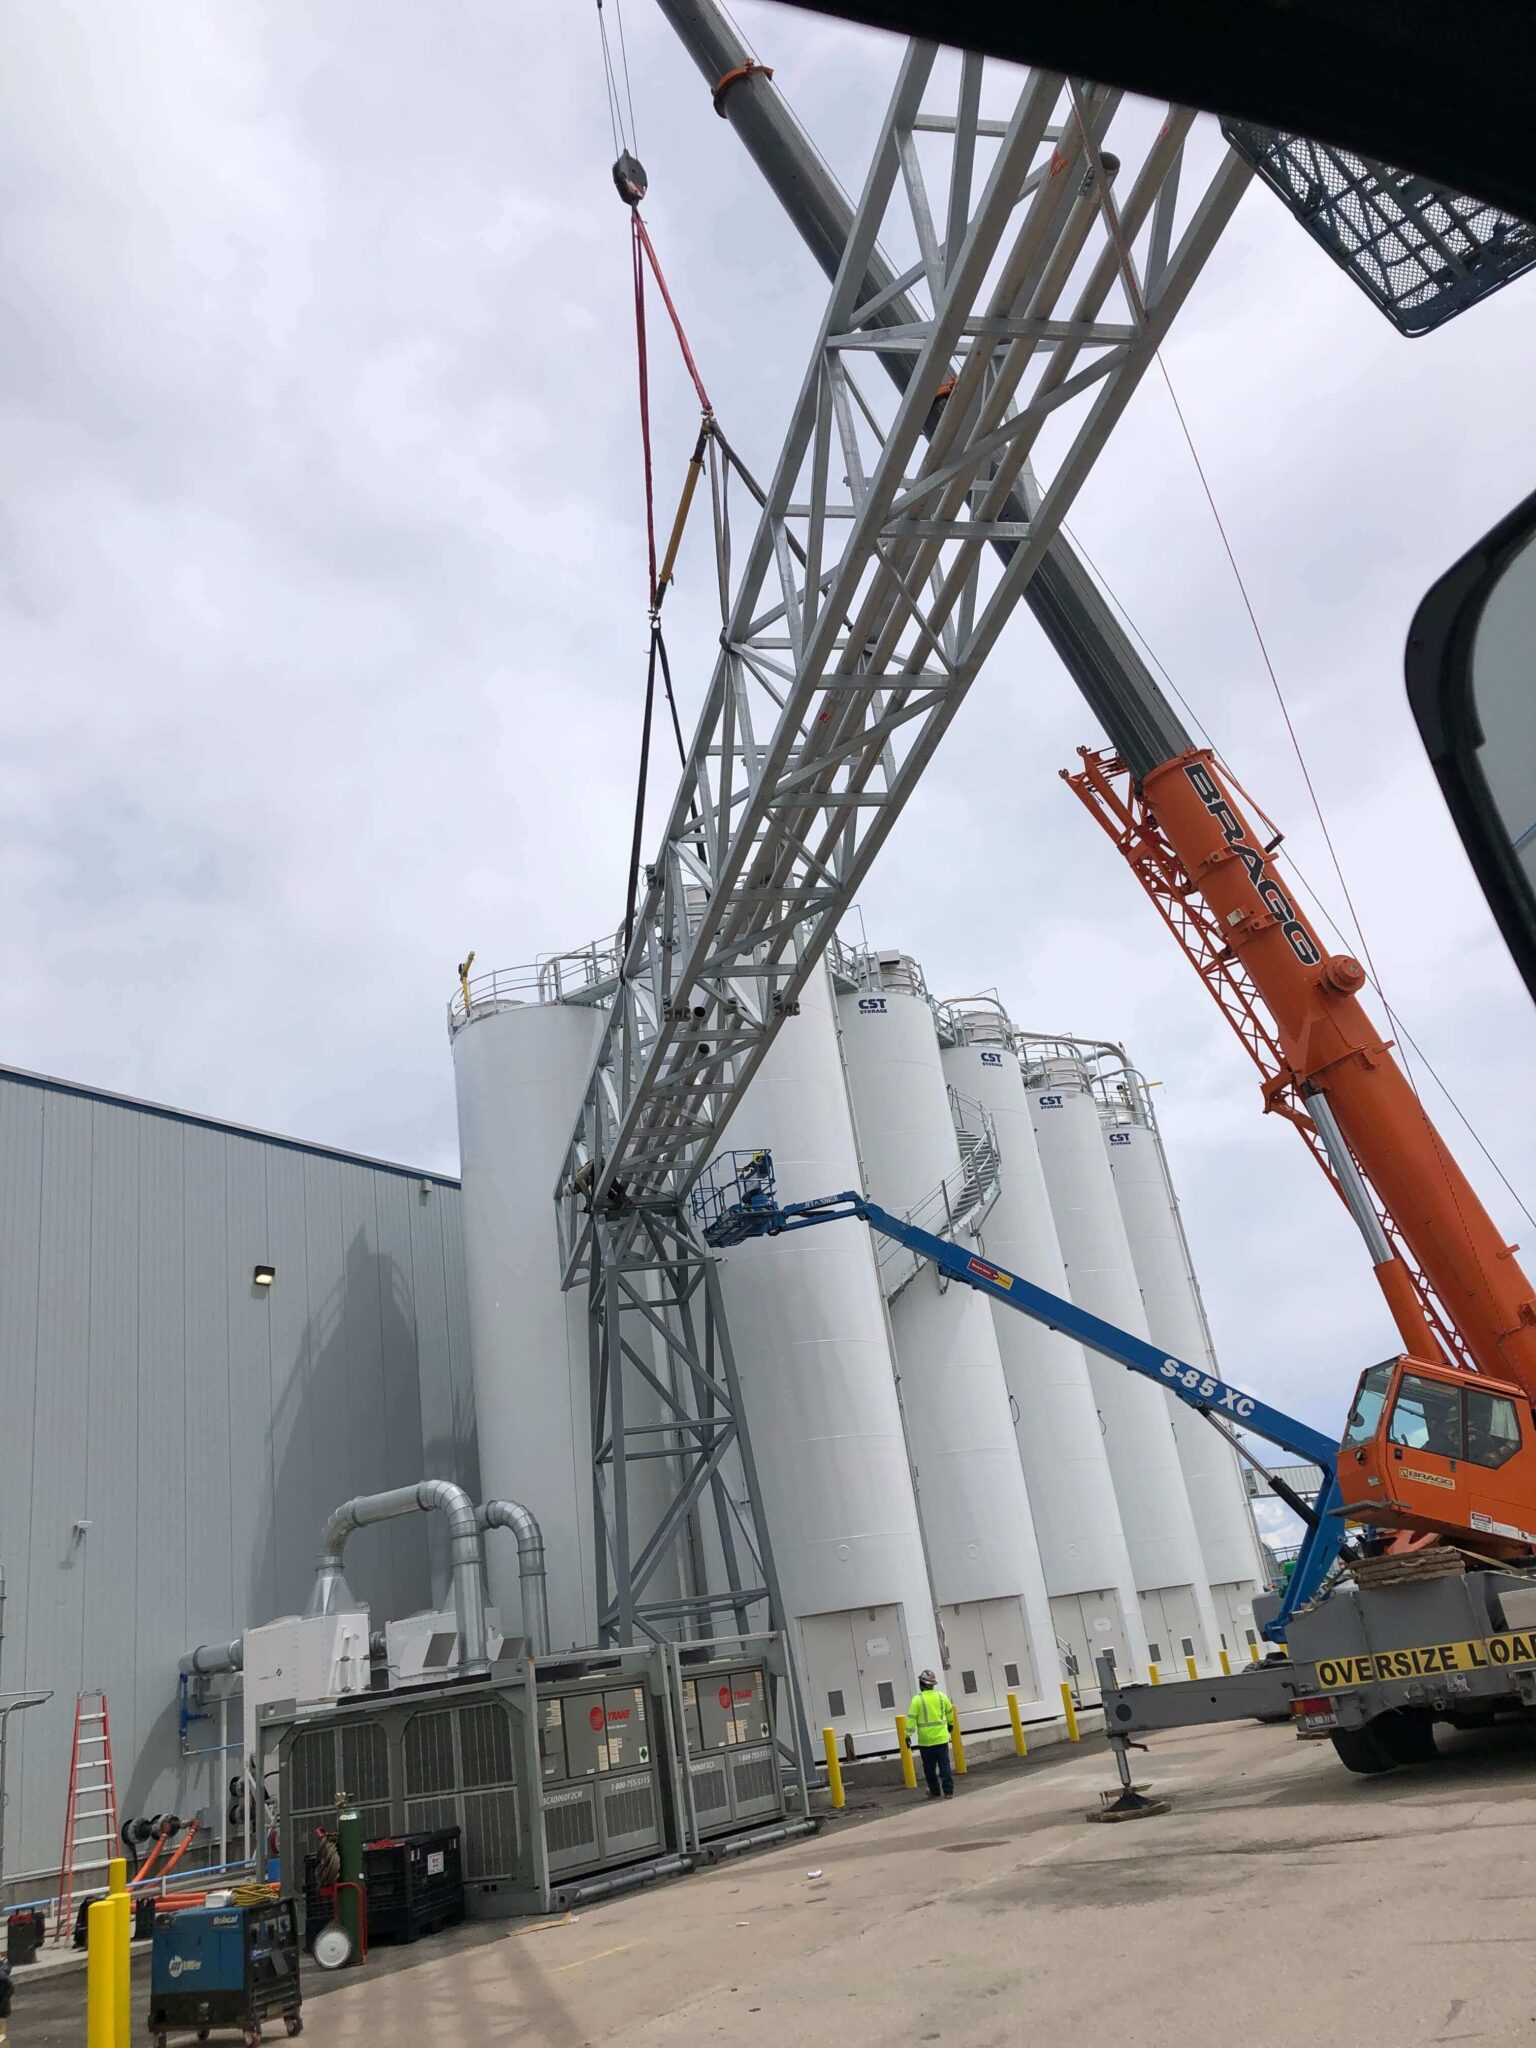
x=737, y=1199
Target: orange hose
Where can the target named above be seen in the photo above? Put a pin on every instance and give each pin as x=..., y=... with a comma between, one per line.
x=181, y=1848
x=146, y=1868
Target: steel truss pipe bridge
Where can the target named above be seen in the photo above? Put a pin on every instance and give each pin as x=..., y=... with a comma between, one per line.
x=958, y=394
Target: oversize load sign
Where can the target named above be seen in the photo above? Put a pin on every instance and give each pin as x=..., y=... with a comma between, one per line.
x=1493, y=1653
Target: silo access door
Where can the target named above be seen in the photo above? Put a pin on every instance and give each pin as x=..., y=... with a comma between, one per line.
x=857, y=1668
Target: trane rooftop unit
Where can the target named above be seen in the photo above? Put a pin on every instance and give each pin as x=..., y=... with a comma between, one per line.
x=733, y=1760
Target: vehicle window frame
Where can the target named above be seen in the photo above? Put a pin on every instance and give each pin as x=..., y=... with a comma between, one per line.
x=1470, y=1394
x=1350, y=1441
x=1447, y=1400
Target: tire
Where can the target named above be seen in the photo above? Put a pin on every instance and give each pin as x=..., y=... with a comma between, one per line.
x=1408, y=1736
x=1362, y=1750
x=294, y=2024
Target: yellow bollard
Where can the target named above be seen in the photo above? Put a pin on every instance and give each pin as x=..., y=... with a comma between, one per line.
x=1070, y=1712
x=122, y=1948
x=1020, y=1746
x=1226, y=1668
x=834, y=1773
x=101, y=1976
x=1253, y=1653
x=1154, y=1676
x=957, y=1744
x=1189, y=1666
x=908, y=1768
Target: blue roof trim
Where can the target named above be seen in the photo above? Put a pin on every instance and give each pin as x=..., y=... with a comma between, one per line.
x=50, y=1084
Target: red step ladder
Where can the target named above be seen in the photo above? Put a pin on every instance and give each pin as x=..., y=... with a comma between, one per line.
x=90, y=1818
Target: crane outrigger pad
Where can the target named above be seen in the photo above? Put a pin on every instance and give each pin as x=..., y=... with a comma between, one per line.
x=1127, y=1802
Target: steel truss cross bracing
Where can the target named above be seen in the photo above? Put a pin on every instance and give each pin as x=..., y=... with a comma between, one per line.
x=657, y=1332
x=1035, y=274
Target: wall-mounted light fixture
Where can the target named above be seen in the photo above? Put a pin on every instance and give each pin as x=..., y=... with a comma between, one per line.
x=263, y=1276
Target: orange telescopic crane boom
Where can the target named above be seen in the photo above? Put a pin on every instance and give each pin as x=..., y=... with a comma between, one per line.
x=1458, y=1295
x=1186, y=835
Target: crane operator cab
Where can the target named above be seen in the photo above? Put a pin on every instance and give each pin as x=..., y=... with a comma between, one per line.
x=1443, y=1451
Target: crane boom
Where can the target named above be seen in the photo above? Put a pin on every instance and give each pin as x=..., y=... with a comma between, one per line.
x=737, y=1199
x=1341, y=1067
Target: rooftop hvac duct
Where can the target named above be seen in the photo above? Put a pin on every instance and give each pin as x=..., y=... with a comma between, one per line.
x=332, y=1594
x=510, y=1514
x=211, y=1659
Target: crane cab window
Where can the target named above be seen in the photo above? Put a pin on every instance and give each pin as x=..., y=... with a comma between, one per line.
x=1493, y=1428
x=1369, y=1397
x=1426, y=1416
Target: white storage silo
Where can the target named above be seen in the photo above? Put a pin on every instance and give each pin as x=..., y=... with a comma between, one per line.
x=1087, y=1564
x=972, y=1499
x=520, y=1069
x=1176, y=1319
x=1138, y=1430
x=808, y=1327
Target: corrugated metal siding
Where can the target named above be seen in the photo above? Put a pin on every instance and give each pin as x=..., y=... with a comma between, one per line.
x=202, y=1428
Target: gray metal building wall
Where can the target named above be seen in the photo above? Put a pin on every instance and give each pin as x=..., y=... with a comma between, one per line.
x=172, y=1437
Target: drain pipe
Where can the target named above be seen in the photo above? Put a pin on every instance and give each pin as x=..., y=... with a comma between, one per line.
x=510, y=1514
x=332, y=1595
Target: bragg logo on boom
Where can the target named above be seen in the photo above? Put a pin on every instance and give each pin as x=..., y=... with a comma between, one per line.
x=1266, y=888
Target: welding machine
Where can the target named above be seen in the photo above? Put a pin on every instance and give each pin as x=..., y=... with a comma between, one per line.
x=225, y=1966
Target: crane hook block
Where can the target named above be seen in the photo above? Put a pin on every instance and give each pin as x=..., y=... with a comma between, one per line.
x=629, y=178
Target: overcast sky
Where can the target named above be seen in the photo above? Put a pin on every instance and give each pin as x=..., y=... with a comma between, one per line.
x=323, y=602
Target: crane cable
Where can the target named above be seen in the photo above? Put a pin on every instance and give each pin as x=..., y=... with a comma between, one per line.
x=630, y=181
x=1139, y=309
x=1318, y=902
x=623, y=137
x=1435, y=1139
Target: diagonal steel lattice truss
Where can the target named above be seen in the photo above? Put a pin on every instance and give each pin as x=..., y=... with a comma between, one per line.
x=1044, y=272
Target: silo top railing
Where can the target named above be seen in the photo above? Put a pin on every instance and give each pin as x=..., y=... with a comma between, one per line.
x=588, y=974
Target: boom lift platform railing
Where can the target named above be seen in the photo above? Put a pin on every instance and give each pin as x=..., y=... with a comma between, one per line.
x=737, y=1199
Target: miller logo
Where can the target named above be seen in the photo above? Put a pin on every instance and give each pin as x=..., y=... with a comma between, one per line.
x=1266, y=888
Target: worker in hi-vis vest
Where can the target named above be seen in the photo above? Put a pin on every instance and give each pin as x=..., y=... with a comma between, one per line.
x=931, y=1718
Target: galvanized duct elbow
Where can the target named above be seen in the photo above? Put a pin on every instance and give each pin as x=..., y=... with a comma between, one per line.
x=511, y=1514
x=212, y=1659
x=332, y=1594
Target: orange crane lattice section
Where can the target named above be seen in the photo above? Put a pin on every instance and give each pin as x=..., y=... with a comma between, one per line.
x=1106, y=789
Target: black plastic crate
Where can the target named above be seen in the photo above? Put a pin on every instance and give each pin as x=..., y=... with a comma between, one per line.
x=415, y=1885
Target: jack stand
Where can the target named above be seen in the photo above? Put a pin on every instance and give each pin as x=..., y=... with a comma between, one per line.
x=1128, y=1803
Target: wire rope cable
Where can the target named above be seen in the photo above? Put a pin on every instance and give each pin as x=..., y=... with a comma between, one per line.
x=1318, y=901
